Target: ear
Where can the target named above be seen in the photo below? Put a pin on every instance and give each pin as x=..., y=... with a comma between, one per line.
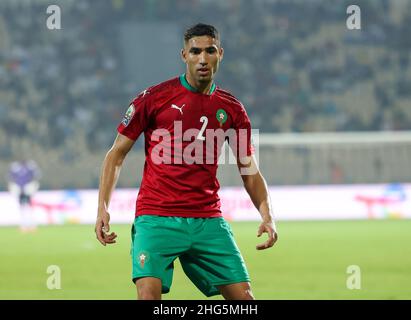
x=221, y=54
x=183, y=55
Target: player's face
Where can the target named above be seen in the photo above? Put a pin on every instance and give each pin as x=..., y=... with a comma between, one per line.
x=202, y=56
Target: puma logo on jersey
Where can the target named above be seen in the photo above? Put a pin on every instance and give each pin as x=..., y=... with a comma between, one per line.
x=178, y=108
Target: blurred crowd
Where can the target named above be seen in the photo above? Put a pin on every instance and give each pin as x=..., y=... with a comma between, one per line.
x=54, y=84
x=294, y=64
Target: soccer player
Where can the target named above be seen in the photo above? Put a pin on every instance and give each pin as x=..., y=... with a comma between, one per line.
x=178, y=209
x=23, y=179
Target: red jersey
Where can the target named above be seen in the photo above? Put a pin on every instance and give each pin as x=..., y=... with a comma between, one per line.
x=180, y=170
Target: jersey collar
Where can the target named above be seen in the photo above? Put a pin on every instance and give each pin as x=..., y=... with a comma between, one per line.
x=186, y=85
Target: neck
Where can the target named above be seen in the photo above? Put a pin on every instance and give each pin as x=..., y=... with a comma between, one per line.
x=202, y=87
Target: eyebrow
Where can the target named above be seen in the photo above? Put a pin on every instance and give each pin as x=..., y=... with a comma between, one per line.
x=197, y=48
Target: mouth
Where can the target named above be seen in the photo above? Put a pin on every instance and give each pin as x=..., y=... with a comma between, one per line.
x=203, y=71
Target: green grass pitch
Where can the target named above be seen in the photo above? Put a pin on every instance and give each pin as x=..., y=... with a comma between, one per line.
x=309, y=261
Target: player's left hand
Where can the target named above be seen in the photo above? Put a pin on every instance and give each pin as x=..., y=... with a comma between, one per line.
x=267, y=227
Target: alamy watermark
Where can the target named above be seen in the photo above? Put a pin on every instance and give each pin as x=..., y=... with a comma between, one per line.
x=53, y=21
x=354, y=279
x=206, y=146
x=354, y=19
x=54, y=280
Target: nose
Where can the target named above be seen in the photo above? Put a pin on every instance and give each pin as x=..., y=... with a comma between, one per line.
x=203, y=60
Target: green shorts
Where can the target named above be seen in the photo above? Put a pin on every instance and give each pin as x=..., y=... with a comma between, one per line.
x=206, y=248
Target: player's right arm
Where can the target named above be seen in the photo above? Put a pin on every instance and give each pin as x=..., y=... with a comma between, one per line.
x=110, y=172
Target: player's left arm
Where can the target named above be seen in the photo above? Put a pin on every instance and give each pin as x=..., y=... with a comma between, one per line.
x=256, y=187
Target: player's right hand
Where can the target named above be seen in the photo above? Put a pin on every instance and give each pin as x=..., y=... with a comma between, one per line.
x=102, y=229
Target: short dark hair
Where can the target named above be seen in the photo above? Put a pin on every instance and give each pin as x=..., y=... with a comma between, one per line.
x=201, y=29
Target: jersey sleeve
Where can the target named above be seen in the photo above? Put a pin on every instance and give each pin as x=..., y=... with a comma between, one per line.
x=242, y=125
x=136, y=118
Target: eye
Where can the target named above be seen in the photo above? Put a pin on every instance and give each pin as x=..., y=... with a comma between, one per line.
x=195, y=51
x=211, y=50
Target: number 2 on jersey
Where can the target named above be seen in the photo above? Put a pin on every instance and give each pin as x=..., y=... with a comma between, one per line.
x=204, y=120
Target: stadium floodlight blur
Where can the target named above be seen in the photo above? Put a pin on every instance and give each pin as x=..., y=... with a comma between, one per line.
x=304, y=72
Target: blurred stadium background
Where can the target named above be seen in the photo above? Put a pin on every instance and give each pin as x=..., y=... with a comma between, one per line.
x=333, y=109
